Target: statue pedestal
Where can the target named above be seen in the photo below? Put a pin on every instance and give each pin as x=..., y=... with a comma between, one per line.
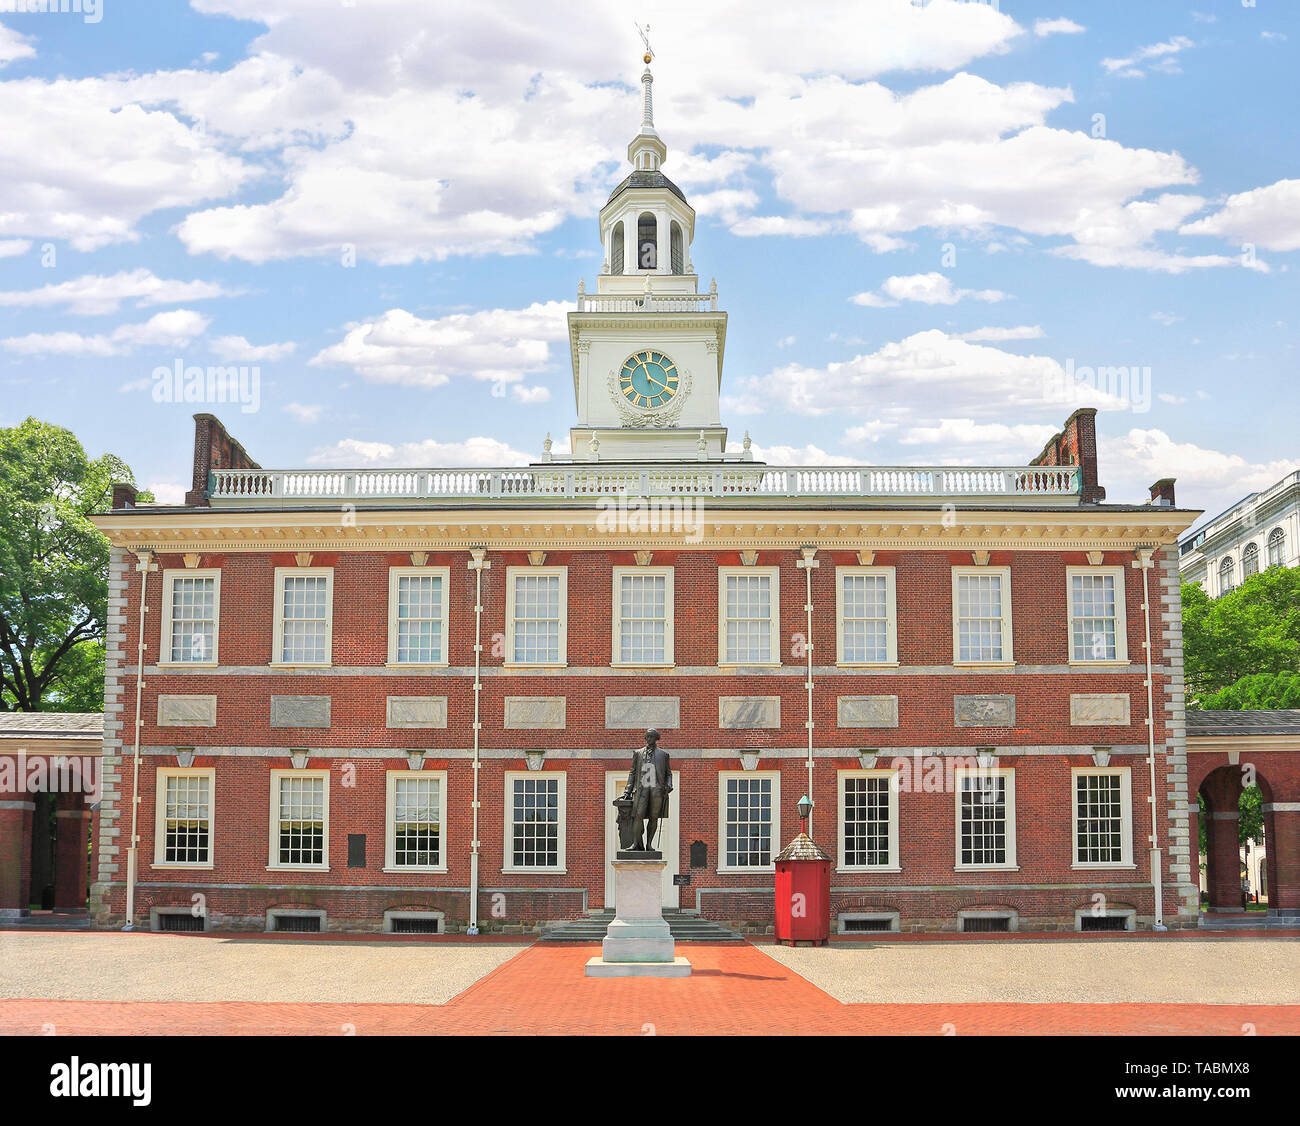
x=638, y=942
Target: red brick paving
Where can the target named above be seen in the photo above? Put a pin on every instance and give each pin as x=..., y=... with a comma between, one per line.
x=734, y=990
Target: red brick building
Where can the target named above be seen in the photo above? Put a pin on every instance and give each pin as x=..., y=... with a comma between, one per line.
x=367, y=697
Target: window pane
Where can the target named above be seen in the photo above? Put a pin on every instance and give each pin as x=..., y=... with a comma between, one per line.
x=1099, y=819
x=535, y=823
x=302, y=821
x=416, y=822
x=749, y=619
x=979, y=617
x=983, y=819
x=643, y=619
x=537, y=619
x=866, y=821
x=305, y=624
x=193, y=625
x=749, y=823
x=186, y=824
x=419, y=619
x=866, y=618
x=1093, y=617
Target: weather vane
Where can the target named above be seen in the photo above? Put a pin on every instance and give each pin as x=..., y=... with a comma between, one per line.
x=645, y=38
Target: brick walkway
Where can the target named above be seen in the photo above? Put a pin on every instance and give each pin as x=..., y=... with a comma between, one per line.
x=734, y=990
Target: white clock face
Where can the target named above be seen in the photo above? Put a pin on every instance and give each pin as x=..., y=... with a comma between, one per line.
x=648, y=379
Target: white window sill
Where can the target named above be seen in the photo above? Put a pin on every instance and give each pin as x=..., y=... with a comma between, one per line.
x=746, y=871
x=655, y=665
x=1103, y=867
x=397, y=871
x=297, y=867
x=416, y=666
x=534, y=872
x=866, y=664
x=561, y=666
x=1109, y=663
x=301, y=664
x=187, y=664
x=986, y=868
x=984, y=664
x=732, y=665
x=867, y=869
x=175, y=866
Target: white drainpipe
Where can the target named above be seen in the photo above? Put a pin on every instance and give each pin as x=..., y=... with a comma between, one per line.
x=1144, y=564
x=144, y=566
x=478, y=563
x=808, y=564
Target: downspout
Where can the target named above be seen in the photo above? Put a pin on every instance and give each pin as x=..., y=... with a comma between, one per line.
x=1144, y=564
x=478, y=563
x=144, y=566
x=808, y=564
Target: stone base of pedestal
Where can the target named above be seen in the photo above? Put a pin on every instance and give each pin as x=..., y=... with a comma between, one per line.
x=598, y=967
x=638, y=942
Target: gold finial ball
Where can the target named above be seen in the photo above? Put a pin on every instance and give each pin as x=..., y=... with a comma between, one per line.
x=646, y=56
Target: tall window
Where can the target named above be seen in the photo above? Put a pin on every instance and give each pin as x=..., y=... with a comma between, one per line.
x=867, y=624
x=986, y=818
x=748, y=611
x=1102, y=817
x=616, y=249
x=1225, y=575
x=416, y=814
x=869, y=820
x=678, y=247
x=536, y=615
x=299, y=818
x=748, y=814
x=190, y=603
x=1097, y=617
x=184, y=824
x=1276, y=548
x=1250, y=561
x=417, y=615
x=305, y=605
x=535, y=820
x=981, y=599
x=643, y=616
x=647, y=241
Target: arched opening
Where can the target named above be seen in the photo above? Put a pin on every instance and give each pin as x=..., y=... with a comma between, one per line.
x=616, y=249
x=647, y=241
x=1276, y=548
x=1233, y=860
x=1225, y=575
x=677, y=248
x=1249, y=561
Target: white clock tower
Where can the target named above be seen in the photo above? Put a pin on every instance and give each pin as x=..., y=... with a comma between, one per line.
x=647, y=345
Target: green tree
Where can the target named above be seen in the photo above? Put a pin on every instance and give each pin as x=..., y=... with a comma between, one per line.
x=53, y=569
x=1259, y=690
x=1250, y=631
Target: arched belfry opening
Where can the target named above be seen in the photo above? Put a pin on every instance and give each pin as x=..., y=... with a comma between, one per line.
x=677, y=248
x=616, y=250
x=647, y=241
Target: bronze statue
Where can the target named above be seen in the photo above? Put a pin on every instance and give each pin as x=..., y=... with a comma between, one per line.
x=643, y=805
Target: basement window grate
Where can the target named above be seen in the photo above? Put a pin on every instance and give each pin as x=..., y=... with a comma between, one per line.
x=1103, y=923
x=851, y=925
x=180, y=922
x=986, y=924
x=297, y=924
x=402, y=925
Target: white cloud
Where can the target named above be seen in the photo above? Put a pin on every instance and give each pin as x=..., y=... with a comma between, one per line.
x=174, y=329
x=995, y=334
x=305, y=412
x=1061, y=26
x=1164, y=53
x=496, y=345
x=1267, y=216
x=1166, y=319
x=798, y=455
x=93, y=294
x=237, y=350
x=11, y=248
x=168, y=492
x=929, y=289
x=948, y=432
x=530, y=395
x=477, y=451
x=1167, y=397
x=14, y=46
x=1279, y=36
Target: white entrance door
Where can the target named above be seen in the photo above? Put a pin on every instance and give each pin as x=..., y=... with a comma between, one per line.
x=615, y=780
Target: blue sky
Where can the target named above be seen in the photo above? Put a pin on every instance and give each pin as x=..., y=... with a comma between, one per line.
x=919, y=216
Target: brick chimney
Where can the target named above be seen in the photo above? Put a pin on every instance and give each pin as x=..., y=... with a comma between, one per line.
x=214, y=448
x=1076, y=444
x=1162, y=492
x=124, y=495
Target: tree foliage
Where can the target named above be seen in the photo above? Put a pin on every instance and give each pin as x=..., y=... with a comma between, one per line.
x=53, y=569
x=1259, y=690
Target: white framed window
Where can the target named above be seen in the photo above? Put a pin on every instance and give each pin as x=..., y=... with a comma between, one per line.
x=1276, y=547
x=749, y=820
x=1098, y=620
x=535, y=821
x=643, y=616
x=304, y=616
x=749, y=616
x=866, y=617
x=1249, y=560
x=981, y=615
x=537, y=615
x=1225, y=575
x=191, y=612
x=869, y=820
x=986, y=817
x=1102, y=817
x=415, y=821
x=417, y=615
x=183, y=817
x=300, y=811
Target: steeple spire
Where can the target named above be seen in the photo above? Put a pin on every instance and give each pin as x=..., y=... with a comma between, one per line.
x=647, y=151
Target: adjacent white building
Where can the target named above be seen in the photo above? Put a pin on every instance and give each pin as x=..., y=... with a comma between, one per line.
x=1261, y=531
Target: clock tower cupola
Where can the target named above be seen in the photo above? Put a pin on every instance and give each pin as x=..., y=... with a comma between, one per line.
x=647, y=345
